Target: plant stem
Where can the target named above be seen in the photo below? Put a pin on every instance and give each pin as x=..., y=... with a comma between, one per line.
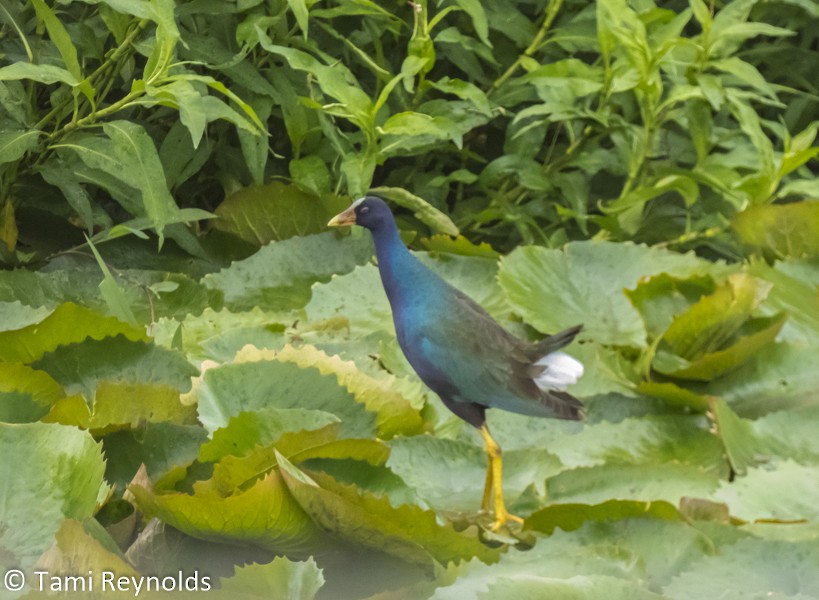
x=110, y=61
x=551, y=13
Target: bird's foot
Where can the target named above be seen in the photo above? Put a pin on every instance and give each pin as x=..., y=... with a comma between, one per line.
x=502, y=517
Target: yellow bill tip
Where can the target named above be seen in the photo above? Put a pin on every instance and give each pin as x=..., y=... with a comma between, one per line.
x=344, y=218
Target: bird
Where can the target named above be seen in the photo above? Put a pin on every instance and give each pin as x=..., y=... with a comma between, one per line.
x=461, y=353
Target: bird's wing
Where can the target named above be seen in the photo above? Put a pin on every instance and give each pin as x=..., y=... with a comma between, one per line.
x=482, y=360
x=470, y=358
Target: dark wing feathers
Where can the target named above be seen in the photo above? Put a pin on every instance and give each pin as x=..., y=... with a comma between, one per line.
x=472, y=345
x=553, y=342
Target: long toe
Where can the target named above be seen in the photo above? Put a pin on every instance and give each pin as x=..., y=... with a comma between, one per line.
x=501, y=518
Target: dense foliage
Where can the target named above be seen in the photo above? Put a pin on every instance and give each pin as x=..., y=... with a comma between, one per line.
x=196, y=376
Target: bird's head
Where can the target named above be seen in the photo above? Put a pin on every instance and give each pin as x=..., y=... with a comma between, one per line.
x=370, y=212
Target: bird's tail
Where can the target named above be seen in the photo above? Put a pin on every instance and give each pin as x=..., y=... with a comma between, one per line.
x=555, y=342
x=553, y=370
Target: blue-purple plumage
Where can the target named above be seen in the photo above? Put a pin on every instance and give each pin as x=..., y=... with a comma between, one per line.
x=455, y=346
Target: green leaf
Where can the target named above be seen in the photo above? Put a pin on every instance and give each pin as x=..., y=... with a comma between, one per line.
x=26, y=394
x=165, y=38
x=260, y=380
x=758, y=494
x=405, y=125
x=281, y=578
x=708, y=325
x=85, y=365
x=751, y=568
x=255, y=144
x=407, y=532
x=261, y=428
x=746, y=73
x=180, y=159
x=789, y=434
x=265, y=515
x=715, y=364
x=55, y=172
x=784, y=376
x=593, y=587
x=799, y=149
x=218, y=335
x=58, y=34
x=358, y=169
x=311, y=173
x=784, y=434
x=762, y=184
x=299, y=8
x=121, y=405
x=606, y=370
x=661, y=297
x=612, y=569
x=781, y=230
x=136, y=154
x=216, y=109
x=301, y=261
x=274, y=212
x=584, y=284
x=460, y=246
x=570, y=75
x=112, y=293
x=183, y=96
x=161, y=447
x=701, y=13
x=395, y=414
x=674, y=395
x=464, y=90
x=47, y=74
x=50, y=289
x=233, y=473
x=16, y=315
x=63, y=479
x=85, y=547
x=450, y=474
x=794, y=291
x=476, y=12
x=66, y=324
x=333, y=80
x=737, y=436
x=237, y=472
x=14, y=144
x=569, y=517
x=728, y=35
x=357, y=299
x=669, y=482
x=647, y=440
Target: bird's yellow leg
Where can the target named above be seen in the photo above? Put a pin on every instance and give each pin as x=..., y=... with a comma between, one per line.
x=494, y=481
x=486, y=502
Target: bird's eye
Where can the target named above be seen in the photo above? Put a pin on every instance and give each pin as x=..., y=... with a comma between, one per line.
x=364, y=210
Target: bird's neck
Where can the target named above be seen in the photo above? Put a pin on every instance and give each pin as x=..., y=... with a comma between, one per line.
x=398, y=267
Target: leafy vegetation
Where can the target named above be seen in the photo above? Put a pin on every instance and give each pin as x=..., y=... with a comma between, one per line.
x=196, y=376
